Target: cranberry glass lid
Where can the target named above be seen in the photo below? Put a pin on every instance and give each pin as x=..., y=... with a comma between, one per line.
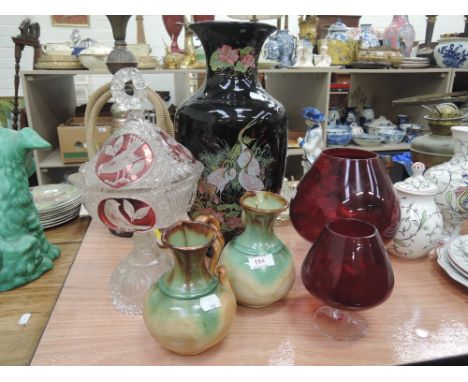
x=140, y=170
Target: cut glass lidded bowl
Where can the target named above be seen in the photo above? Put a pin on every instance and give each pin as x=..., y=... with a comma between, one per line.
x=140, y=180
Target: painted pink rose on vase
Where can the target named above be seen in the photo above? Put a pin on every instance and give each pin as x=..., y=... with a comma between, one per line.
x=227, y=59
x=229, y=55
x=248, y=60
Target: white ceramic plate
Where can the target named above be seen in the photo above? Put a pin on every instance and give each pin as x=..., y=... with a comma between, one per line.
x=457, y=255
x=64, y=220
x=413, y=66
x=50, y=197
x=415, y=59
x=60, y=211
x=76, y=211
x=442, y=260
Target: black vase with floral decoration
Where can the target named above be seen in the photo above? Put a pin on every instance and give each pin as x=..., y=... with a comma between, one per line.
x=231, y=124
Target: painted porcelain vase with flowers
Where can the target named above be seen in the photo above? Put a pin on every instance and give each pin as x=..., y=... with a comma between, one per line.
x=231, y=124
x=420, y=219
x=451, y=179
x=400, y=35
x=260, y=267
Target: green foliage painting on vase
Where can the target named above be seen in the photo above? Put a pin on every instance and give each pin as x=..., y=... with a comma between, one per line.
x=25, y=253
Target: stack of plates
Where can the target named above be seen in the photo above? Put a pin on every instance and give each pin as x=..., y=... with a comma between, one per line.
x=56, y=203
x=453, y=258
x=414, y=63
x=58, y=62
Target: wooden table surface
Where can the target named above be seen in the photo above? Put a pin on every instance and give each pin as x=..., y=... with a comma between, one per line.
x=426, y=317
x=18, y=343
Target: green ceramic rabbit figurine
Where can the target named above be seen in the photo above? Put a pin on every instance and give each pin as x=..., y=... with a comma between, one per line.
x=25, y=253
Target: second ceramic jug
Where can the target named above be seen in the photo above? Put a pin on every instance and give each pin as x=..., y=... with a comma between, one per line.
x=191, y=308
x=260, y=267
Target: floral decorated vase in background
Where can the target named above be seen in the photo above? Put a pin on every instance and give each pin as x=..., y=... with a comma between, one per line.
x=192, y=307
x=367, y=38
x=451, y=179
x=420, y=219
x=452, y=52
x=400, y=35
x=259, y=266
x=231, y=124
x=287, y=48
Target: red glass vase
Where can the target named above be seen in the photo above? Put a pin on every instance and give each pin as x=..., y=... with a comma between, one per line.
x=347, y=268
x=345, y=183
x=200, y=18
x=173, y=25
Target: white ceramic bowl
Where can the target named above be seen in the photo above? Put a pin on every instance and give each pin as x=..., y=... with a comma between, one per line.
x=367, y=140
x=395, y=136
x=94, y=61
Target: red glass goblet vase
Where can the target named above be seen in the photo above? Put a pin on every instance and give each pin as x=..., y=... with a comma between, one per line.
x=200, y=18
x=348, y=269
x=173, y=25
x=345, y=183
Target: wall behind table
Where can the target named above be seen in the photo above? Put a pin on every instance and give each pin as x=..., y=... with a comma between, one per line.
x=155, y=35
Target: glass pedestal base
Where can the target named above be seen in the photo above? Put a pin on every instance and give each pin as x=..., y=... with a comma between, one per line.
x=340, y=325
x=137, y=272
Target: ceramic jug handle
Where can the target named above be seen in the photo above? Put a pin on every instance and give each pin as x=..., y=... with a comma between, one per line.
x=218, y=244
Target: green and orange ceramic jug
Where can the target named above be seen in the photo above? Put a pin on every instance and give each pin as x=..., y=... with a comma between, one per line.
x=259, y=266
x=191, y=308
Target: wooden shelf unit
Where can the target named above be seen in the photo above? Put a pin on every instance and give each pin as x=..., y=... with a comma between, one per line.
x=50, y=98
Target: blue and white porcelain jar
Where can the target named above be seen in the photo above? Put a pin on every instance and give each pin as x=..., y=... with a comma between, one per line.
x=287, y=48
x=367, y=38
x=338, y=31
x=452, y=52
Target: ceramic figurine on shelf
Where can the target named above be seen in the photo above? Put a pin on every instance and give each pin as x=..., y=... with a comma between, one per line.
x=323, y=60
x=312, y=143
x=25, y=253
x=259, y=266
x=304, y=55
